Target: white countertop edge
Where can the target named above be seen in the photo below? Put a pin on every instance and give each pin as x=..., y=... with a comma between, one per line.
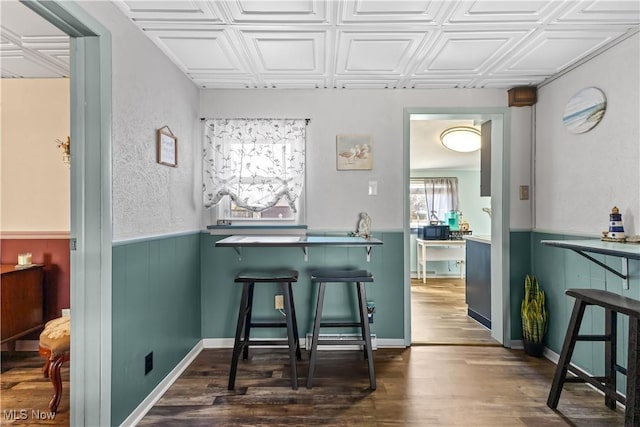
x=480, y=239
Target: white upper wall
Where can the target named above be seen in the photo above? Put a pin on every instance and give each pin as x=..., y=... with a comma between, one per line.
x=149, y=92
x=334, y=198
x=579, y=178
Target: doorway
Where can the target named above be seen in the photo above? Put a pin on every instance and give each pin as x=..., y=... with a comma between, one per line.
x=445, y=191
x=500, y=322
x=90, y=210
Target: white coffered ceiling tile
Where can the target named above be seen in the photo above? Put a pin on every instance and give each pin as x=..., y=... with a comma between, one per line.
x=300, y=52
x=377, y=52
x=348, y=43
x=161, y=14
x=31, y=46
x=551, y=51
x=200, y=51
x=603, y=11
x=392, y=11
x=23, y=65
x=463, y=52
x=278, y=11
x=24, y=22
x=494, y=12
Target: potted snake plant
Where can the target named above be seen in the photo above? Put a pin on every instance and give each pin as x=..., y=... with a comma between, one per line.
x=535, y=318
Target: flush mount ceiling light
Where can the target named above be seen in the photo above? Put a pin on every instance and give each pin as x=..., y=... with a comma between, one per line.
x=463, y=139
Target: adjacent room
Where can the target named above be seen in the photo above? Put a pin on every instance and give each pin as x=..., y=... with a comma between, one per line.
x=266, y=212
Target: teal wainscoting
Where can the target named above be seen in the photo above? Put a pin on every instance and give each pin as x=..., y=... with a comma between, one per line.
x=559, y=269
x=156, y=308
x=520, y=266
x=220, y=296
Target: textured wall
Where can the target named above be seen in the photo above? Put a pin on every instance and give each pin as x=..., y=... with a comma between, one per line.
x=579, y=178
x=149, y=92
x=334, y=198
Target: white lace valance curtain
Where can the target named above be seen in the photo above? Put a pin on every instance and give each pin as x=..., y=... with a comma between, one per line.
x=256, y=162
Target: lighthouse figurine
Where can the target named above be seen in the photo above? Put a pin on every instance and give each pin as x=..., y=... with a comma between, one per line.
x=616, y=230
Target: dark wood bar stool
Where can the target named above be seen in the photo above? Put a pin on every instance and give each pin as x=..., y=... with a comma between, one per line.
x=245, y=322
x=613, y=304
x=359, y=277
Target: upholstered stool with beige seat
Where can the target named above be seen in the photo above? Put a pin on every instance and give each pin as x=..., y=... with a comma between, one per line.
x=55, y=342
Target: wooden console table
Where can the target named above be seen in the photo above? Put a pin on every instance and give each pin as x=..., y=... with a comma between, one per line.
x=22, y=301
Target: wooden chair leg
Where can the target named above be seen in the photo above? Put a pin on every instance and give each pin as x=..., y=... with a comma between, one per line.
x=45, y=368
x=54, y=373
x=565, y=355
x=632, y=412
x=610, y=357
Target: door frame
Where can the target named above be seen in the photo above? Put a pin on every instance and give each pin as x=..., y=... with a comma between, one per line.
x=90, y=211
x=500, y=253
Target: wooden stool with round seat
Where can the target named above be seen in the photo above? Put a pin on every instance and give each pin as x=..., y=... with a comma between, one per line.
x=337, y=276
x=54, y=344
x=245, y=320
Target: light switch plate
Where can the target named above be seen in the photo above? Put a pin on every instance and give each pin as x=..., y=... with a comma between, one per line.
x=373, y=188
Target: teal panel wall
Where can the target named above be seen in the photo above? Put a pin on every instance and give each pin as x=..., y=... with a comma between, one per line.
x=220, y=296
x=156, y=308
x=559, y=269
x=520, y=266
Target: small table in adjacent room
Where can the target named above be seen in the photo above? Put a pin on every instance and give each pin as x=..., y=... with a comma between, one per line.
x=439, y=250
x=22, y=301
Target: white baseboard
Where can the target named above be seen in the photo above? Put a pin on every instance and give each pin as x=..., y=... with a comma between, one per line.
x=209, y=343
x=136, y=416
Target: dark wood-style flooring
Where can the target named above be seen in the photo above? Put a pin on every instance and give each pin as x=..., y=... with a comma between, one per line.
x=435, y=385
x=417, y=386
x=24, y=388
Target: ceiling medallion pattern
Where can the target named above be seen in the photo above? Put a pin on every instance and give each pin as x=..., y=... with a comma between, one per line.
x=346, y=43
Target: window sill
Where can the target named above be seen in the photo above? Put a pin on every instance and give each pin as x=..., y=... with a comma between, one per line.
x=257, y=230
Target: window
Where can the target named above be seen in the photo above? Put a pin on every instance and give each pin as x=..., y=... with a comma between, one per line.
x=254, y=169
x=431, y=198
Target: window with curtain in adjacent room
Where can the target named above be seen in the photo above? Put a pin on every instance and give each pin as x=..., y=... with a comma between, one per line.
x=431, y=198
x=254, y=169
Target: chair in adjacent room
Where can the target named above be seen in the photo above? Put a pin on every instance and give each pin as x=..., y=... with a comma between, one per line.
x=246, y=322
x=342, y=277
x=54, y=344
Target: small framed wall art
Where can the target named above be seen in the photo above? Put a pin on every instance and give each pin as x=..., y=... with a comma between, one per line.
x=354, y=152
x=167, y=147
